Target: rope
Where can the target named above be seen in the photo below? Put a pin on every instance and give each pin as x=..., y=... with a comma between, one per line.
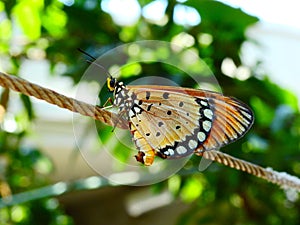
x=20, y=85
x=282, y=179
x=52, y=97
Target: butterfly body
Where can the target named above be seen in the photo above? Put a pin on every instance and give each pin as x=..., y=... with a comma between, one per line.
x=173, y=122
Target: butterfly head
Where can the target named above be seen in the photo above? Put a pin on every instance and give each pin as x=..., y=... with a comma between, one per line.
x=114, y=85
x=111, y=83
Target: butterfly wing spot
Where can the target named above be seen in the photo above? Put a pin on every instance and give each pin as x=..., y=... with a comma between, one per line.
x=181, y=150
x=193, y=144
x=169, y=112
x=148, y=95
x=131, y=114
x=201, y=136
x=166, y=95
x=208, y=113
x=180, y=104
x=206, y=125
x=203, y=103
x=169, y=152
x=137, y=109
x=231, y=120
x=149, y=107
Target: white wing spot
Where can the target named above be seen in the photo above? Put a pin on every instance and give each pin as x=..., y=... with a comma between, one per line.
x=192, y=144
x=131, y=113
x=208, y=113
x=117, y=100
x=122, y=92
x=171, y=151
x=181, y=150
x=201, y=136
x=204, y=103
x=206, y=125
x=137, y=109
x=167, y=153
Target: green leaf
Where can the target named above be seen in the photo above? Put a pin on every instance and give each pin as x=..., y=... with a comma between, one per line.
x=225, y=15
x=192, y=189
x=27, y=14
x=54, y=20
x=28, y=106
x=264, y=114
x=5, y=34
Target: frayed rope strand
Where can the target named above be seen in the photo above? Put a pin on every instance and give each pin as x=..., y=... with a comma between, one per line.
x=284, y=180
x=52, y=97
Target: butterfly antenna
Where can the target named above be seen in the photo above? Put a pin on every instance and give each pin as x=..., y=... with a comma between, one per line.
x=92, y=60
x=87, y=54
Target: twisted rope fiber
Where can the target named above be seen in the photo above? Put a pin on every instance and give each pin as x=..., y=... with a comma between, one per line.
x=20, y=85
x=282, y=179
x=52, y=97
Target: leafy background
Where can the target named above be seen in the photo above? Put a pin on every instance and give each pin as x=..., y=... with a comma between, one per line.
x=219, y=195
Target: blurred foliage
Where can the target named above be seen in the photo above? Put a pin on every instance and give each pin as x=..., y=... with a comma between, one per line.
x=49, y=29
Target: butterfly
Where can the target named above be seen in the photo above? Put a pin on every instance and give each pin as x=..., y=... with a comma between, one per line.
x=173, y=122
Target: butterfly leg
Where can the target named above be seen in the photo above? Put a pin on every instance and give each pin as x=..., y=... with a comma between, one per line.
x=199, y=152
x=105, y=105
x=120, y=114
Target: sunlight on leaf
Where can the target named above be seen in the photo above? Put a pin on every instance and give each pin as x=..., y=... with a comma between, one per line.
x=62, y=220
x=5, y=34
x=19, y=213
x=2, y=7
x=127, y=33
x=27, y=14
x=4, y=215
x=131, y=70
x=174, y=184
x=192, y=189
x=54, y=20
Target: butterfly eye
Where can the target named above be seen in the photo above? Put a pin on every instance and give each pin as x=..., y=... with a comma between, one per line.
x=111, y=83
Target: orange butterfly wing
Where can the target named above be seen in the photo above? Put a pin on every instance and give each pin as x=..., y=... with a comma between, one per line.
x=173, y=122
